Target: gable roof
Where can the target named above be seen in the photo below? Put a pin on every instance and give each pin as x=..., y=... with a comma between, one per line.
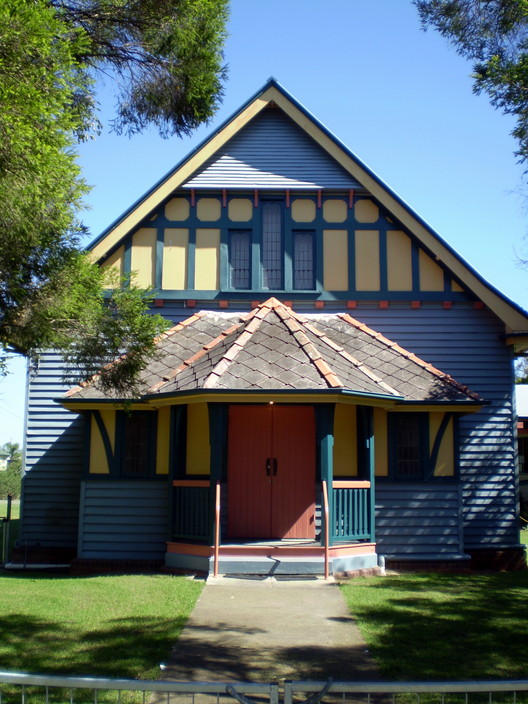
x=224, y=147
x=272, y=348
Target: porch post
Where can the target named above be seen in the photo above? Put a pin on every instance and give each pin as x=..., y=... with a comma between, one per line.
x=218, y=445
x=324, y=418
x=366, y=457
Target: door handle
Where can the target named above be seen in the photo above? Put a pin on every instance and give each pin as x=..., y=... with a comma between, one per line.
x=268, y=467
x=274, y=466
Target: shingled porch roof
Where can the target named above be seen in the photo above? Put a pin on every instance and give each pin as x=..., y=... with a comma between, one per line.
x=272, y=348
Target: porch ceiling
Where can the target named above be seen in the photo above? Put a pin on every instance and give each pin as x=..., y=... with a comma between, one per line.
x=272, y=348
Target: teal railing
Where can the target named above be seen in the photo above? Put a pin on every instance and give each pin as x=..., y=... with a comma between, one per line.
x=350, y=511
x=192, y=504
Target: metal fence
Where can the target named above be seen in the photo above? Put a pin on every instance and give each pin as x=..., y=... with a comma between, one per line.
x=25, y=689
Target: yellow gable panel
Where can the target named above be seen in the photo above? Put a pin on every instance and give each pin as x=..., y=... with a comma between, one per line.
x=208, y=209
x=367, y=260
x=303, y=210
x=366, y=211
x=207, y=258
x=240, y=210
x=335, y=210
x=345, y=442
x=399, y=261
x=143, y=256
x=115, y=263
x=335, y=258
x=174, y=272
x=431, y=275
x=177, y=209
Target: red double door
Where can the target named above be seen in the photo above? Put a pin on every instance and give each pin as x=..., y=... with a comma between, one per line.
x=271, y=472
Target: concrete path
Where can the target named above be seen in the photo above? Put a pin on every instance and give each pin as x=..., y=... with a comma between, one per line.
x=270, y=630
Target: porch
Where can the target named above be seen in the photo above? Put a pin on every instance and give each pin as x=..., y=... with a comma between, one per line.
x=343, y=541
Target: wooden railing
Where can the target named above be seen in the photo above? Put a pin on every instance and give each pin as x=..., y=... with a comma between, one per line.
x=191, y=509
x=350, y=511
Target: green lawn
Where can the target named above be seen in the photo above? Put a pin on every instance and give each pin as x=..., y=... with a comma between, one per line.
x=114, y=626
x=444, y=627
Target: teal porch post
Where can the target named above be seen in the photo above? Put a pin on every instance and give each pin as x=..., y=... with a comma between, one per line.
x=218, y=414
x=366, y=459
x=324, y=419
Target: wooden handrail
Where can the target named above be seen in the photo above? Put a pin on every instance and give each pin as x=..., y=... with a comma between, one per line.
x=350, y=484
x=327, y=531
x=217, y=528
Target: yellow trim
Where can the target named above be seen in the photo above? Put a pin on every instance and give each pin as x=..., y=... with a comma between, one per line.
x=115, y=262
x=98, y=459
x=381, y=443
x=163, y=441
x=198, y=459
x=518, y=342
x=445, y=462
x=367, y=260
x=430, y=408
x=335, y=260
x=207, y=259
x=345, y=441
x=175, y=249
x=143, y=256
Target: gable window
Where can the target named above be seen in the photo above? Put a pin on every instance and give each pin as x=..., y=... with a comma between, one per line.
x=137, y=443
x=303, y=260
x=272, y=246
x=408, y=439
x=240, y=260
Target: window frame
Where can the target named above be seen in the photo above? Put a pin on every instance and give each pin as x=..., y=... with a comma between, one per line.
x=123, y=420
x=426, y=471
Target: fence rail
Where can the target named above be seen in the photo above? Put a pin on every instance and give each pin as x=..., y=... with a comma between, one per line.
x=25, y=688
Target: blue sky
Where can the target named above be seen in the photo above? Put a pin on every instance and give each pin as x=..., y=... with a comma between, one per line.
x=398, y=97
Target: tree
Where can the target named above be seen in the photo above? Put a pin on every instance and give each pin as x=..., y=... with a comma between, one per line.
x=11, y=478
x=166, y=57
x=494, y=35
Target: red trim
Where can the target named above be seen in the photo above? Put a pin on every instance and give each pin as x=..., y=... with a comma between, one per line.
x=447, y=305
x=191, y=482
x=223, y=304
x=319, y=198
x=191, y=303
x=416, y=304
x=478, y=304
x=319, y=304
x=287, y=198
x=351, y=304
x=256, y=198
x=351, y=198
x=193, y=197
x=383, y=304
x=224, y=197
x=159, y=302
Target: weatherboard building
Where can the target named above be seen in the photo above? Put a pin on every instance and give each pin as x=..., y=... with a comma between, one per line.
x=336, y=386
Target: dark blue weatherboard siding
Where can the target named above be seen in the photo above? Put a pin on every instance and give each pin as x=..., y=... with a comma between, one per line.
x=54, y=461
x=464, y=341
x=124, y=520
x=418, y=519
x=271, y=152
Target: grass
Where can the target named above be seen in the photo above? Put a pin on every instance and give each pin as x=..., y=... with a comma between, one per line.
x=444, y=627
x=111, y=626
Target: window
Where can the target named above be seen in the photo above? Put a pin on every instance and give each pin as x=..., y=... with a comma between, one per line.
x=240, y=260
x=303, y=260
x=408, y=439
x=137, y=444
x=272, y=246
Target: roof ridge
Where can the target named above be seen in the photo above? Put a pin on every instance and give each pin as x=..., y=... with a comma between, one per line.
x=360, y=366
x=195, y=357
x=309, y=349
x=238, y=345
x=443, y=376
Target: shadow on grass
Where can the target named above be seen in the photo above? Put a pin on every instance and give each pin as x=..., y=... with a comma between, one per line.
x=439, y=627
